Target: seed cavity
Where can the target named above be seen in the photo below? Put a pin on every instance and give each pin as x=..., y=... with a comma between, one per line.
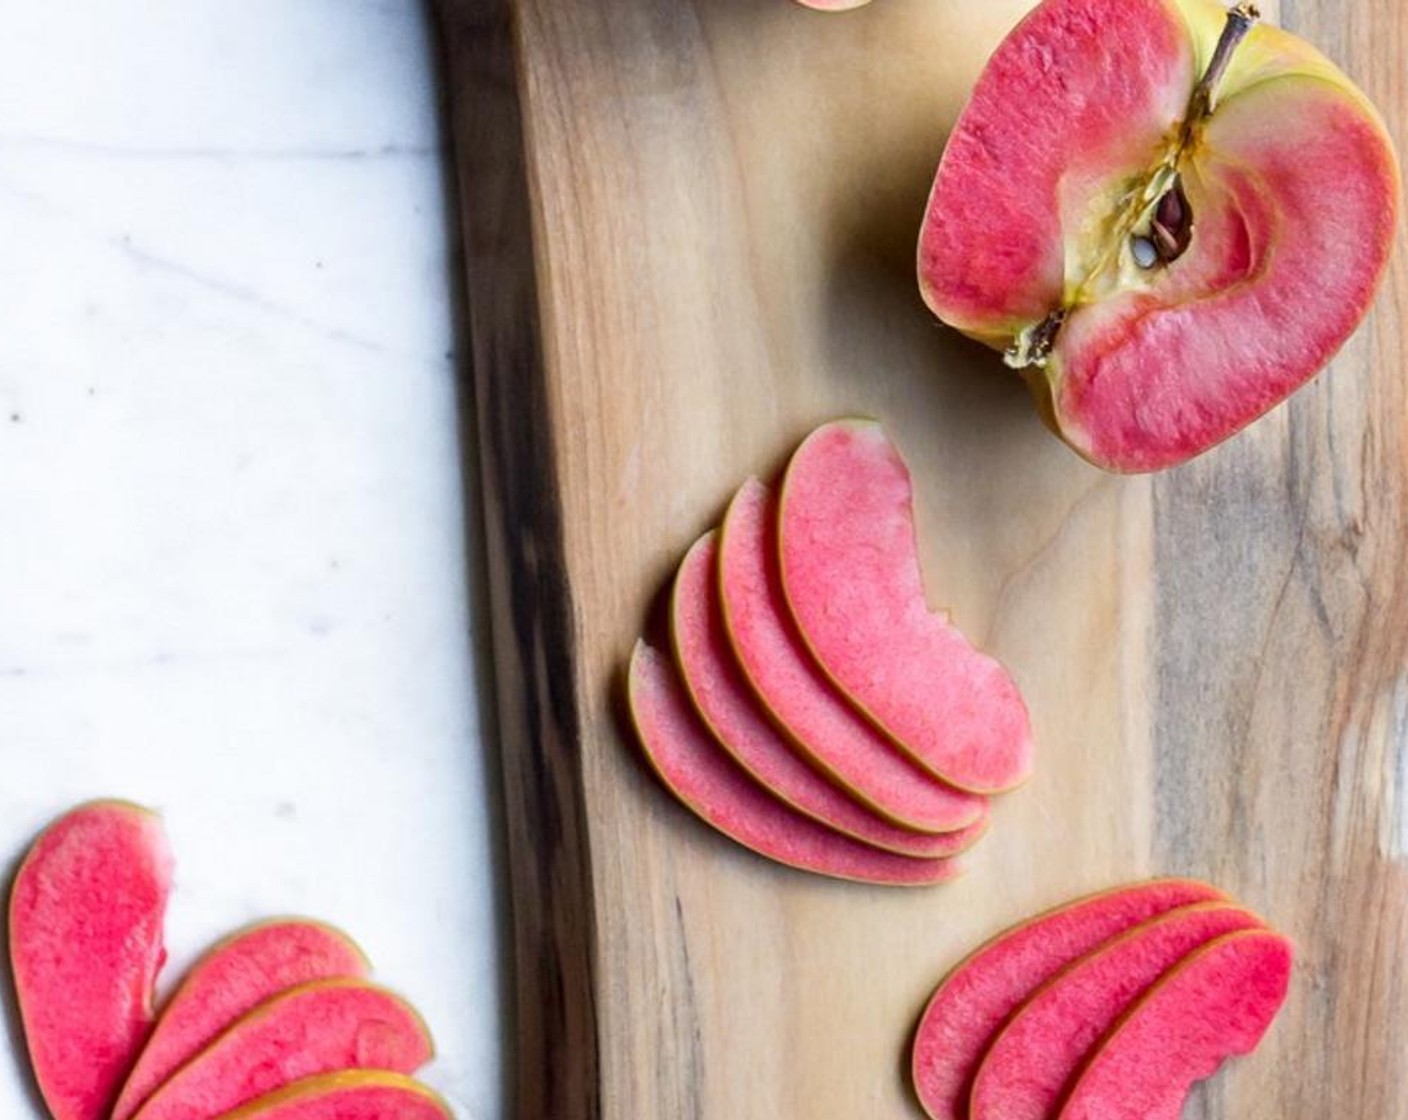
x=1157, y=227
x=1170, y=230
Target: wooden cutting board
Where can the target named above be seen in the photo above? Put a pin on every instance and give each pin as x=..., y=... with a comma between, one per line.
x=690, y=231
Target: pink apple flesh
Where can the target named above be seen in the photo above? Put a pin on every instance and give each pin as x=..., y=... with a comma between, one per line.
x=1040, y=234
x=1217, y=1003
x=968, y=1009
x=1036, y=1056
x=86, y=915
x=850, y=573
x=802, y=699
x=726, y=704
x=229, y=981
x=711, y=785
x=323, y=1027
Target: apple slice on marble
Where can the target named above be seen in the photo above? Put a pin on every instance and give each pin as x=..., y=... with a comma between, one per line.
x=230, y=980
x=322, y=1027
x=86, y=943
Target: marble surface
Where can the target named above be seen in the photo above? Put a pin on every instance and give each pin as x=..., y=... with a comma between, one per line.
x=235, y=581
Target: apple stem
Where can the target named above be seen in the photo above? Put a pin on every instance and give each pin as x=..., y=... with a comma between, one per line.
x=1240, y=21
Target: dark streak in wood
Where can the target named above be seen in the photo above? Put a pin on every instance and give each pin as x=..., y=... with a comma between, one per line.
x=536, y=657
x=686, y=1015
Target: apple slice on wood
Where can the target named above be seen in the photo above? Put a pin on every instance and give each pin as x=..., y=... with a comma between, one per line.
x=850, y=572
x=231, y=979
x=86, y=914
x=322, y=1027
x=1035, y=1057
x=351, y=1095
x=1168, y=215
x=711, y=785
x=801, y=699
x=1217, y=1003
x=724, y=701
x=970, y=1006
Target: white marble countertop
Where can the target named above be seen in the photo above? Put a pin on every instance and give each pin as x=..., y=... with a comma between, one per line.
x=234, y=581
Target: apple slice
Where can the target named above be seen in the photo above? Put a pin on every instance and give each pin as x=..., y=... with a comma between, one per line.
x=1036, y=1056
x=850, y=571
x=1218, y=1003
x=968, y=1009
x=724, y=702
x=1169, y=216
x=351, y=1095
x=231, y=979
x=86, y=914
x=799, y=697
x=712, y=786
x=321, y=1027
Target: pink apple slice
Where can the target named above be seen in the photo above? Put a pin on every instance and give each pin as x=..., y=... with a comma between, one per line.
x=352, y=1095
x=800, y=698
x=728, y=708
x=968, y=1009
x=322, y=1027
x=712, y=786
x=1217, y=1003
x=850, y=572
x=1149, y=334
x=1035, y=1057
x=233, y=978
x=86, y=914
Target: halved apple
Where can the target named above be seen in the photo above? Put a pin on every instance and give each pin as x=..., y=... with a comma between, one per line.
x=1168, y=215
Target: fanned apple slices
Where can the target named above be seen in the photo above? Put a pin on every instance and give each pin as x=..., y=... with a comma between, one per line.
x=815, y=709
x=229, y=981
x=277, y=1022
x=1111, y=1007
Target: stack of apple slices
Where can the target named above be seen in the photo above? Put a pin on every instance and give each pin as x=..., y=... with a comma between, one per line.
x=1107, y=1009
x=278, y=1022
x=815, y=709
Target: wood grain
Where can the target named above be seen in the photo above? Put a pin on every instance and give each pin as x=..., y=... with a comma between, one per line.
x=690, y=236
